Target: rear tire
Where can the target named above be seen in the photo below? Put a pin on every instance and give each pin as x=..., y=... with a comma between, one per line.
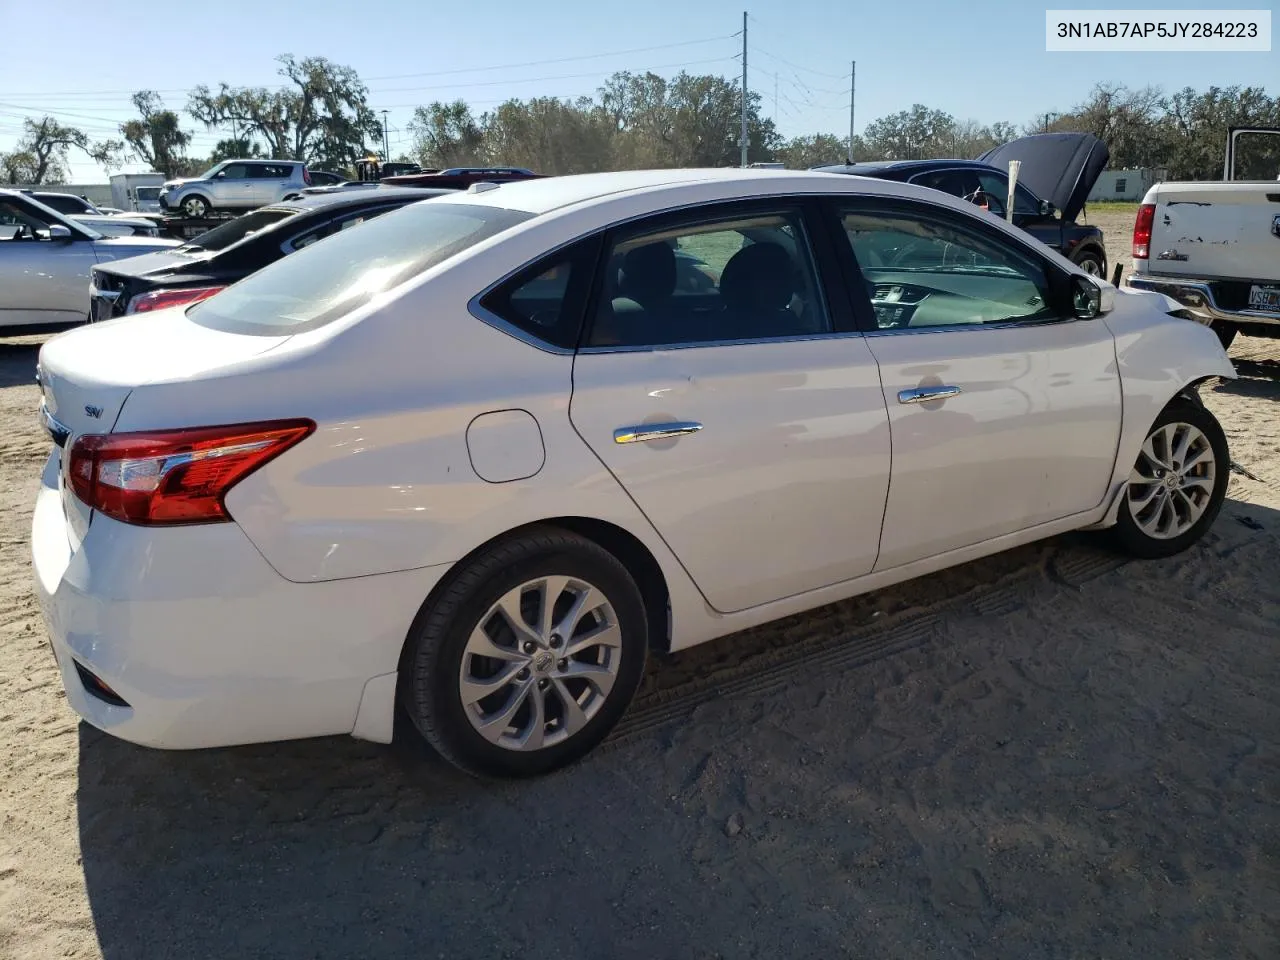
x=1226, y=332
x=1176, y=488
x=196, y=206
x=502, y=698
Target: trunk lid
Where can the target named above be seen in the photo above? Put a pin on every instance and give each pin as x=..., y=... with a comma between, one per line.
x=1215, y=231
x=1059, y=167
x=87, y=374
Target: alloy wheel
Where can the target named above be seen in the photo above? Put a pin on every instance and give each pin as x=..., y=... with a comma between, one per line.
x=1171, y=485
x=540, y=663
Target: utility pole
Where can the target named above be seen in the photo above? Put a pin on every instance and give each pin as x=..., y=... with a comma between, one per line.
x=386, y=143
x=743, y=141
x=853, y=89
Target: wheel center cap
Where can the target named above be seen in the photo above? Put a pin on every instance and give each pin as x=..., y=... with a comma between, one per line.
x=1171, y=481
x=544, y=661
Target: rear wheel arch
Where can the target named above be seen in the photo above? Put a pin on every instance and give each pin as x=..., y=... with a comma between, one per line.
x=620, y=543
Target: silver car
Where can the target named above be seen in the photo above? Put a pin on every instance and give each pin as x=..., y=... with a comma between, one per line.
x=234, y=185
x=45, y=260
x=82, y=211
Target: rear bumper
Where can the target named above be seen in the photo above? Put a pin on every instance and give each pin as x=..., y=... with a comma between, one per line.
x=205, y=643
x=1198, y=297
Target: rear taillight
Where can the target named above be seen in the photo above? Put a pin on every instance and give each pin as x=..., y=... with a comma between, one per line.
x=306, y=176
x=174, y=476
x=1142, y=231
x=159, y=299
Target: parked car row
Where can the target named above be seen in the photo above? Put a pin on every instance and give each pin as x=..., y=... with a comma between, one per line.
x=471, y=458
x=109, y=223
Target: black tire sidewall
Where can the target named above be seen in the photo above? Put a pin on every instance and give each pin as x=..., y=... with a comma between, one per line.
x=430, y=681
x=1131, y=535
x=1090, y=255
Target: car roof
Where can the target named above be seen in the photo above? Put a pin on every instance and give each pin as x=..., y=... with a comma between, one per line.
x=355, y=198
x=552, y=193
x=873, y=167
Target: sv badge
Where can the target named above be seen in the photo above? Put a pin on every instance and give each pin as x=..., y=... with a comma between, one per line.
x=95, y=412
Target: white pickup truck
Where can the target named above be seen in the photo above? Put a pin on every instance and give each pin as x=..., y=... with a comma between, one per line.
x=1215, y=248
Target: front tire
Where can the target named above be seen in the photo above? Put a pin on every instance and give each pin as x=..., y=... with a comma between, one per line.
x=196, y=206
x=1092, y=263
x=528, y=657
x=1176, y=488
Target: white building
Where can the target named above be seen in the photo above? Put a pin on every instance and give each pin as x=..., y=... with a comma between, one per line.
x=1126, y=184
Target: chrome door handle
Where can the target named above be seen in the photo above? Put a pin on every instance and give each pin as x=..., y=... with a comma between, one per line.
x=655, y=431
x=925, y=394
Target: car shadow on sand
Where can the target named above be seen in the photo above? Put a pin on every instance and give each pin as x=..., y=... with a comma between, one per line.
x=18, y=363
x=336, y=848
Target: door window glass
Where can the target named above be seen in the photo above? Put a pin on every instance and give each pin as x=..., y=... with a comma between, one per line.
x=923, y=269
x=235, y=171
x=740, y=278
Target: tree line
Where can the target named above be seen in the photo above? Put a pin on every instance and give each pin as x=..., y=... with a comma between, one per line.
x=320, y=113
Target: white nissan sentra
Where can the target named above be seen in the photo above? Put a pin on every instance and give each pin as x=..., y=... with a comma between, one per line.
x=480, y=455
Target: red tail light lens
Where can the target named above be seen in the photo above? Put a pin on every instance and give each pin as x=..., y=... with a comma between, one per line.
x=306, y=176
x=159, y=299
x=1142, y=231
x=174, y=476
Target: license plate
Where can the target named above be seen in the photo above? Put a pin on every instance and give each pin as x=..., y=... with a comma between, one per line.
x=1264, y=298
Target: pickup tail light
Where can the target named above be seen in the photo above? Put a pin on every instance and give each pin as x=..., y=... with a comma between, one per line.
x=160, y=299
x=1142, y=231
x=165, y=477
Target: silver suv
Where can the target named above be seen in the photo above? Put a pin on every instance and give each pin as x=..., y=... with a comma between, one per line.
x=234, y=185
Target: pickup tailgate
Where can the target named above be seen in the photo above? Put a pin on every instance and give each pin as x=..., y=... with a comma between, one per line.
x=1217, y=231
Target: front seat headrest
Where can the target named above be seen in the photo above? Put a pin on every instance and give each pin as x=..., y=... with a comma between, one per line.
x=649, y=273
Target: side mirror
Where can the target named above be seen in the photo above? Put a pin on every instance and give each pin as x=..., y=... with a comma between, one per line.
x=220, y=175
x=1047, y=209
x=59, y=233
x=1087, y=300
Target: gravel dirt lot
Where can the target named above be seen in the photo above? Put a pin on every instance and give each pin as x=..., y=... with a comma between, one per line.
x=1049, y=753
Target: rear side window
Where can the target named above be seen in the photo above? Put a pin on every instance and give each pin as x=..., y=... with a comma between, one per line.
x=325, y=281
x=225, y=235
x=337, y=225
x=546, y=300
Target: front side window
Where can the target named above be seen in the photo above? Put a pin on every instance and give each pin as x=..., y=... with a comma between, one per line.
x=996, y=186
x=325, y=281
x=704, y=281
x=233, y=171
x=928, y=269
x=21, y=221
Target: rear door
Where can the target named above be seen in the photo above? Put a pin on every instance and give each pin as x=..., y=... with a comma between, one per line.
x=720, y=385
x=271, y=181
x=1004, y=409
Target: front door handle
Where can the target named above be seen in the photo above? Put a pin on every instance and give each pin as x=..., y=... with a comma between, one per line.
x=655, y=431
x=925, y=394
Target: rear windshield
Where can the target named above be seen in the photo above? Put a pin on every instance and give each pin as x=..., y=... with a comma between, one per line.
x=329, y=279
x=234, y=231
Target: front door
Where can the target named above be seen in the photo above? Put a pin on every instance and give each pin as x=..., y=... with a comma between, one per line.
x=713, y=387
x=1004, y=409
x=232, y=187
x=42, y=280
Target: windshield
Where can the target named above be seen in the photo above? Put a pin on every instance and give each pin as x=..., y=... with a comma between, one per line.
x=328, y=279
x=236, y=230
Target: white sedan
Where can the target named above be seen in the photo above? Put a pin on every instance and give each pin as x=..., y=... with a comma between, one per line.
x=481, y=455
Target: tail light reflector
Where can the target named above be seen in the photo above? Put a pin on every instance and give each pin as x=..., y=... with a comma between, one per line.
x=174, y=476
x=1142, y=231
x=160, y=299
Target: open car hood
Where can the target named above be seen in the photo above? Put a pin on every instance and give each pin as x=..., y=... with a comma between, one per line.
x=1059, y=167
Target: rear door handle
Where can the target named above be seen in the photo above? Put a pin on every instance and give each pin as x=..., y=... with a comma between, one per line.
x=655, y=431
x=925, y=394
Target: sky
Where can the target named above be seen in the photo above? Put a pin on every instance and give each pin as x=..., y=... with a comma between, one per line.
x=980, y=59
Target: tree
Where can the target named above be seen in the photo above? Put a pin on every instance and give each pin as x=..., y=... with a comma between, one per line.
x=1193, y=134
x=41, y=153
x=447, y=135
x=549, y=135
x=802, y=153
x=321, y=115
x=156, y=138
x=916, y=134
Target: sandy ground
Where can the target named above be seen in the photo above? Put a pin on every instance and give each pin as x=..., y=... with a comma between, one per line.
x=1050, y=753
